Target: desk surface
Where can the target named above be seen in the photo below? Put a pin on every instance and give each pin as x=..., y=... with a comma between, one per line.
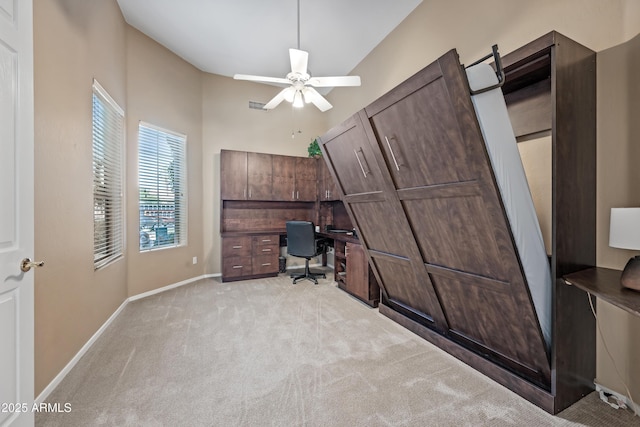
x=604, y=283
x=344, y=237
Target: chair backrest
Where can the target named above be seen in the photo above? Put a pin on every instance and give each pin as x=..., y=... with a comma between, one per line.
x=301, y=238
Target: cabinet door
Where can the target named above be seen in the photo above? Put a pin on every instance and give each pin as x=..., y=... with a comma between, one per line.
x=346, y=147
x=357, y=271
x=259, y=177
x=306, y=179
x=284, y=178
x=233, y=175
x=328, y=190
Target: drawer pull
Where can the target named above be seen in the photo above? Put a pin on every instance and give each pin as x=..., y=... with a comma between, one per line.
x=237, y=247
x=266, y=250
x=266, y=240
x=237, y=266
x=266, y=264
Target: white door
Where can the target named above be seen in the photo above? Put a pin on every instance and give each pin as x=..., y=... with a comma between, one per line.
x=16, y=212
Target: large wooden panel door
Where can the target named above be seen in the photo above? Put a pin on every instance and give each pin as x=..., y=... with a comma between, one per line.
x=233, y=175
x=16, y=213
x=259, y=176
x=433, y=147
x=375, y=210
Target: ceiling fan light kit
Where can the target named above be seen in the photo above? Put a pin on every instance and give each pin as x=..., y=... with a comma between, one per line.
x=301, y=85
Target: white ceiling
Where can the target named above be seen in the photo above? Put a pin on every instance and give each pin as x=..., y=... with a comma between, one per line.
x=253, y=36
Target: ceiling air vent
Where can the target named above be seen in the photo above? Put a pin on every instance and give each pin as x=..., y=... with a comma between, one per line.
x=256, y=105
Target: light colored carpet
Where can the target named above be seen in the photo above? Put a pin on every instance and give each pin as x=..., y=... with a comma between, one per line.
x=266, y=352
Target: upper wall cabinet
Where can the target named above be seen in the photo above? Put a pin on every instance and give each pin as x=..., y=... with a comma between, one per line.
x=245, y=176
x=284, y=178
x=233, y=175
x=294, y=179
x=327, y=190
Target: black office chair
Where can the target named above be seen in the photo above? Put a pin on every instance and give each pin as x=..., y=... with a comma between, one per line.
x=302, y=242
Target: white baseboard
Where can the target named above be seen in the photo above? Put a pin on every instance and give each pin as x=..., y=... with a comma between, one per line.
x=56, y=381
x=620, y=397
x=165, y=288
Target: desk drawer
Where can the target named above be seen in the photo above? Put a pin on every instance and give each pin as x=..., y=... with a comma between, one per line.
x=263, y=264
x=236, y=246
x=236, y=266
x=266, y=240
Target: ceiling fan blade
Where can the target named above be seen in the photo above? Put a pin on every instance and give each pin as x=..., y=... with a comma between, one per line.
x=261, y=79
x=312, y=95
x=299, y=60
x=334, y=81
x=279, y=98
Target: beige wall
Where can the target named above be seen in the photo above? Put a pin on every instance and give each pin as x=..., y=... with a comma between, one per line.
x=229, y=123
x=472, y=27
x=74, y=42
x=165, y=91
x=618, y=186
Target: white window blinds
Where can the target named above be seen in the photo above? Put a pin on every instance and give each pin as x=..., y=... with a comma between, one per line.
x=162, y=184
x=108, y=140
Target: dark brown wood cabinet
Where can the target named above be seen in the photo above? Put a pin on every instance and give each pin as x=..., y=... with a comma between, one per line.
x=360, y=279
x=353, y=274
x=306, y=179
x=414, y=175
x=265, y=251
x=259, y=176
x=245, y=176
x=233, y=175
x=327, y=190
x=249, y=256
x=284, y=178
x=236, y=257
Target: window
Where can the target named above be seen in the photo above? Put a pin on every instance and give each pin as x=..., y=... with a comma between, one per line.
x=108, y=139
x=162, y=184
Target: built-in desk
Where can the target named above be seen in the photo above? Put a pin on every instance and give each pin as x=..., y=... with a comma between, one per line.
x=352, y=272
x=604, y=283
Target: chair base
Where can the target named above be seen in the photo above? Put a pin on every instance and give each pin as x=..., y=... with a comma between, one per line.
x=308, y=275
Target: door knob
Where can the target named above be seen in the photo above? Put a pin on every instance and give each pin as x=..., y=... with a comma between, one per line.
x=26, y=264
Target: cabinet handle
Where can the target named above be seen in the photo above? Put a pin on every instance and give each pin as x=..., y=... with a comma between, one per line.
x=297, y=195
x=266, y=240
x=244, y=193
x=359, y=162
x=266, y=264
x=327, y=194
x=293, y=195
x=266, y=250
x=393, y=156
x=249, y=193
x=237, y=247
x=237, y=266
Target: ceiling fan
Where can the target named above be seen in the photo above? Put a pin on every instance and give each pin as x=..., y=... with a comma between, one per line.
x=301, y=86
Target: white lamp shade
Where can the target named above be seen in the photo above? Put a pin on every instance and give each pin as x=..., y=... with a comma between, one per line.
x=624, y=231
